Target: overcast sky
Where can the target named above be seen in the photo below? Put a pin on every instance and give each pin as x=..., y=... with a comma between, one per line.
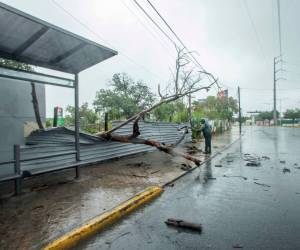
x=236, y=40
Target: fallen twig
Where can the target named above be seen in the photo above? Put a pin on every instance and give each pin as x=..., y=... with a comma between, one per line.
x=261, y=184
x=155, y=172
x=184, y=224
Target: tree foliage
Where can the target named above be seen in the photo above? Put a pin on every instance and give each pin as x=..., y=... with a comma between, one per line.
x=217, y=108
x=292, y=114
x=15, y=64
x=266, y=115
x=87, y=116
x=171, y=112
x=125, y=97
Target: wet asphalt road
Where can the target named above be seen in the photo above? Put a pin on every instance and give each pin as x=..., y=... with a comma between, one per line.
x=234, y=211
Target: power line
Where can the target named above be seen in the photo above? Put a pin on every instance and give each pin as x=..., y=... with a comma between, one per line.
x=154, y=22
x=97, y=35
x=148, y=29
x=279, y=27
x=254, y=29
x=181, y=42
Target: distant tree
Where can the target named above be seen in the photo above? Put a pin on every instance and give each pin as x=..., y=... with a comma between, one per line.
x=217, y=108
x=164, y=112
x=292, y=114
x=15, y=64
x=87, y=116
x=266, y=115
x=172, y=112
x=125, y=97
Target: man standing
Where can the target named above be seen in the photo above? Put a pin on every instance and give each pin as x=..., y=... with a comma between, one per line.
x=206, y=130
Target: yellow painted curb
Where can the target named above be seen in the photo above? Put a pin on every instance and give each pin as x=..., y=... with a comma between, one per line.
x=102, y=221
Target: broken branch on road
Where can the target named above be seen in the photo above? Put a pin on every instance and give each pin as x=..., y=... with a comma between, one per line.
x=184, y=224
x=261, y=184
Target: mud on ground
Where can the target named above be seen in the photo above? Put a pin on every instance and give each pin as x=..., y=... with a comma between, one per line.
x=54, y=203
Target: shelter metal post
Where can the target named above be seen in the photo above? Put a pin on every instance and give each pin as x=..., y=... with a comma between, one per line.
x=17, y=169
x=77, y=124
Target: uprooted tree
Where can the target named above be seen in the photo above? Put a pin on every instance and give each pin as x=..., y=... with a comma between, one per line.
x=186, y=81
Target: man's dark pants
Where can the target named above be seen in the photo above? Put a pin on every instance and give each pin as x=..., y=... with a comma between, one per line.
x=207, y=143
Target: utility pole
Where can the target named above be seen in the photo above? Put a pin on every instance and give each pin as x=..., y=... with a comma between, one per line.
x=274, y=93
x=274, y=66
x=275, y=80
x=190, y=109
x=240, y=114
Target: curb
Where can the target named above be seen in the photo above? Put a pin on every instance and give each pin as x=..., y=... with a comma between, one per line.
x=100, y=222
x=203, y=162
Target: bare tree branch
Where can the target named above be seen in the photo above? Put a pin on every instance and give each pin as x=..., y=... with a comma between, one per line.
x=36, y=106
x=185, y=83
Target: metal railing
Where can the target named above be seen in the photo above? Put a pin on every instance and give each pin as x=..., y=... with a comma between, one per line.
x=17, y=175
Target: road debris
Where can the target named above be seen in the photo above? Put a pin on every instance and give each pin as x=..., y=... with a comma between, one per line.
x=218, y=166
x=237, y=246
x=239, y=176
x=252, y=161
x=185, y=167
x=211, y=178
x=154, y=172
x=184, y=224
x=282, y=161
x=253, y=164
x=261, y=184
x=286, y=170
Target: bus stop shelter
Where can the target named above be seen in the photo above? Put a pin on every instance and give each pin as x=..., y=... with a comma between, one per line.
x=30, y=40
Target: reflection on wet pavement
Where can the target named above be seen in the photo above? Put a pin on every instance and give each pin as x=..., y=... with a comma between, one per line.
x=245, y=206
x=53, y=204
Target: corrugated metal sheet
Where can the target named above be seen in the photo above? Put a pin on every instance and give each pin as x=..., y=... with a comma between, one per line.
x=93, y=149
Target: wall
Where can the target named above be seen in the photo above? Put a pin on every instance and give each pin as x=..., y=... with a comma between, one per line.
x=16, y=115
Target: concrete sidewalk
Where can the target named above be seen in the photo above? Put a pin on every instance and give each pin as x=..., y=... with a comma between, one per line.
x=53, y=204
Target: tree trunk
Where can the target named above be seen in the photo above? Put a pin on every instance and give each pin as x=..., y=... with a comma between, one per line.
x=36, y=106
x=133, y=138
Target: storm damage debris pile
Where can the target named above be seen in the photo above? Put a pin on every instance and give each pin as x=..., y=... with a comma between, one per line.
x=93, y=149
x=252, y=160
x=184, y=224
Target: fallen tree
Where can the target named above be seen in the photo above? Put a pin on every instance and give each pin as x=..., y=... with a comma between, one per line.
x=186, y=82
